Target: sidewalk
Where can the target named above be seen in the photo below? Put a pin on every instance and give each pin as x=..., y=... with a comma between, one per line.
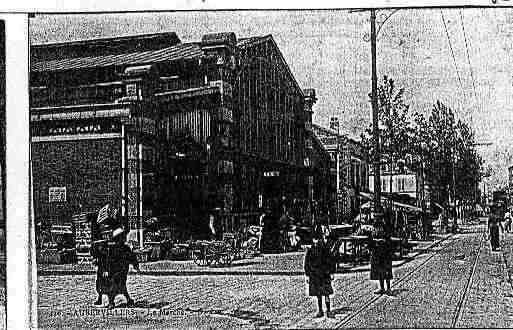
x=268, y=264
x=507, y=254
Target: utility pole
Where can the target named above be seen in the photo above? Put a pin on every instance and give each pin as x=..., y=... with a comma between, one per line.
x=375, y=119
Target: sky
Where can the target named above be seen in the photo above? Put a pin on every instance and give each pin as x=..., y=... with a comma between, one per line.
x=329, y=50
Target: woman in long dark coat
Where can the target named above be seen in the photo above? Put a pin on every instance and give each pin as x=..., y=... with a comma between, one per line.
x=120, y=257
x=99, y=252
x=381, y=257
x=494, y=223
x=319, y=269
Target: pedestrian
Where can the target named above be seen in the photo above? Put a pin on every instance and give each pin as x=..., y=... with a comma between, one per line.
x=322, y=227
x=261, y=223
x=319, y=269
x=426, y=230
x=99, y=251
x=380, y=244
x=214, y=225
x=494, y=224
x=507, y=221
x=284, y=224
x=119, y=258
x=440, y=221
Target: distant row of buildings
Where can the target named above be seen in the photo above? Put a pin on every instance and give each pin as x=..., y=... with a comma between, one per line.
x=156, y=127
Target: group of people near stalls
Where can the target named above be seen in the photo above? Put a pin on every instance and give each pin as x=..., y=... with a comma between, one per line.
x=113, y=258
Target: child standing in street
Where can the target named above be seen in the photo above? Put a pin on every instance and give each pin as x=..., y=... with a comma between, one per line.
x=381, y=257
x=319, y=269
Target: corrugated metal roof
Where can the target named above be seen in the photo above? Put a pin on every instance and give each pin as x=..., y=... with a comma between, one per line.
x=246, y=42
x=187, y=50
x=151, y=56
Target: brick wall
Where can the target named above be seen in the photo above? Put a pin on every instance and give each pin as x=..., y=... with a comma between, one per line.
x=89, y=169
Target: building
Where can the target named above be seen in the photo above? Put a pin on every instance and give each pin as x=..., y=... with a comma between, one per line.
x=350, y=169
x=157, y=127
x=2, y=138
x=402, y=182
x=406, y=185
x=323, y=181
x=510, y=185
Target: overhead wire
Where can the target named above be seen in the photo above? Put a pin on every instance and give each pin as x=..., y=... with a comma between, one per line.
x=453, y=56
x=468, y=56
x=469, y=63
x=452, y=52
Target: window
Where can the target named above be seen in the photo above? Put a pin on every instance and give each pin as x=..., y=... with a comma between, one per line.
x=400, y=184
x=56, y=194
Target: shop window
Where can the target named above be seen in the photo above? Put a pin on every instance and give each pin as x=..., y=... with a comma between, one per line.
x=56, y=194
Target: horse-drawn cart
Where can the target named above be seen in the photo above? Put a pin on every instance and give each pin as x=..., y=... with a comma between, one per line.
x=210, y=253
x=222, y=253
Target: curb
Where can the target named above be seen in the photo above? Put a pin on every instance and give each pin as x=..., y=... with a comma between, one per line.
x=400, y=263
x=213, y=272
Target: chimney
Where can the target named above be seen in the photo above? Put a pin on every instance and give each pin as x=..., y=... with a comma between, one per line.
x=219, y=43
x=220, y=49
x=310, y=100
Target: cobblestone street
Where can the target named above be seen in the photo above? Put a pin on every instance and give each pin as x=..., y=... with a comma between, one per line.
x=459, y=283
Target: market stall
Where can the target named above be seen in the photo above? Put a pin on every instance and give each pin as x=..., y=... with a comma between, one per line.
x=163, y=239
x=59, y=248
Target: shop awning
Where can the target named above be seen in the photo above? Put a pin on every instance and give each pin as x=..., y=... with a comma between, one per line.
x=385, y=200
x=439, y=206
x=408, y=207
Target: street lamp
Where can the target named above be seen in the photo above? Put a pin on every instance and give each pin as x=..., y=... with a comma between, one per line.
x=374, y=103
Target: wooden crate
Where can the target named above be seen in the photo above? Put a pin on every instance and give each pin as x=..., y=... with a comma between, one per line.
x=142, y=256
x=83, y=237
x=49, y=257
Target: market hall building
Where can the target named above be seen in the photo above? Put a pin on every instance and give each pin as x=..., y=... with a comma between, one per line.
x=157, y=128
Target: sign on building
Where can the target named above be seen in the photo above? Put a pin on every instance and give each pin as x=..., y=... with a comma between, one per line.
x=131, y=89
x=76, y=126
x=271, y=174
x=57, y=194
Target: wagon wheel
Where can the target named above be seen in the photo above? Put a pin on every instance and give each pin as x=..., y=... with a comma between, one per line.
x=211, y=255
x=227, y=256
x=243, y=252
x=251, y=248
x=199, y=257
x=238, y=253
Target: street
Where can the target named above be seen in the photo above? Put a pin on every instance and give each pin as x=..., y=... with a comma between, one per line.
x=459, y=283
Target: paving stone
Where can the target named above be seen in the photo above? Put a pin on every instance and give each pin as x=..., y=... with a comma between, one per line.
x=428, y=298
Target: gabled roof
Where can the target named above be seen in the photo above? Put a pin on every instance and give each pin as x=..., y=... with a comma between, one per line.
x=320, y=147
x=253, y=41
x=151, y=56
x=153, y=40
x=329, y=131
x=104, y=56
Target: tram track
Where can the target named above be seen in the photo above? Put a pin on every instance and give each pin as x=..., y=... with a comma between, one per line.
x=463, y=297
x=461, y=301
x=394, y=284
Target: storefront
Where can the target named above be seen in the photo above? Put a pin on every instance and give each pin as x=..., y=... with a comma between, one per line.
x=176, y=134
